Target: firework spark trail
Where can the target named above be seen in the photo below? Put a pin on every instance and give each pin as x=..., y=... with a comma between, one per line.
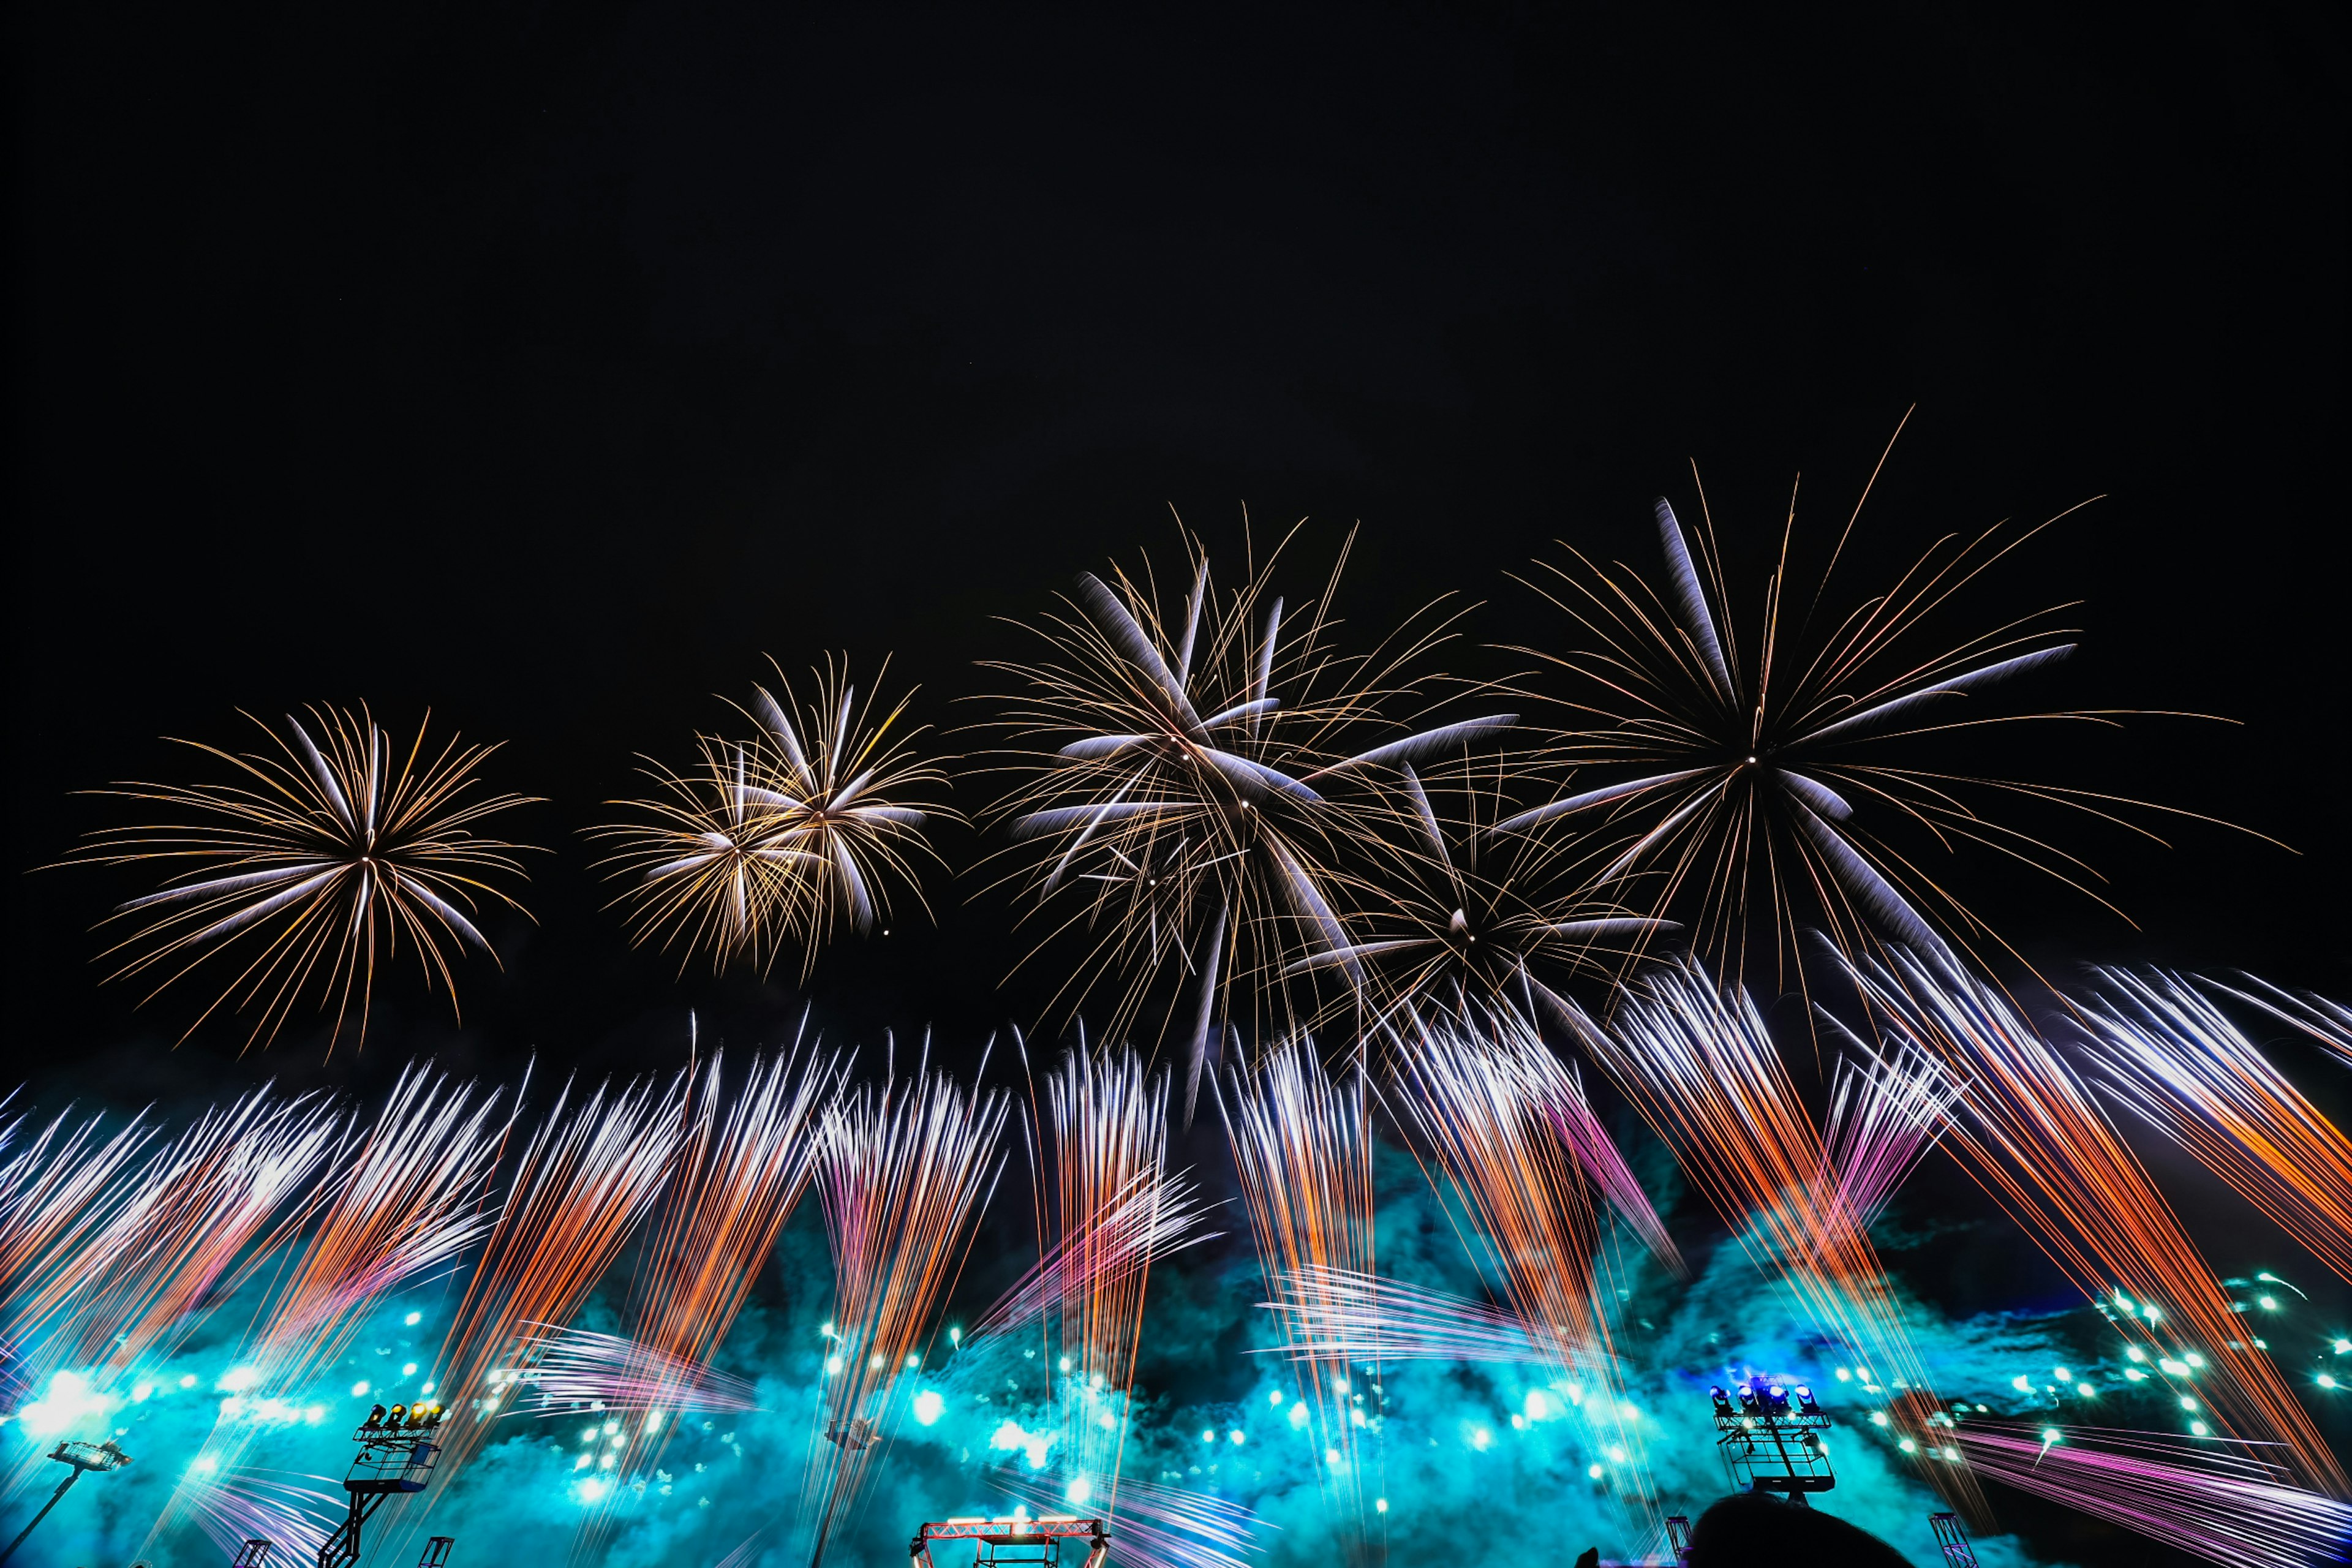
x=1302, y=1148
x=587, y=1177
x=786, y=838
x=2176, y=1061
x=316, y=864
x=742, y=1164
x=1115, y=1209
x=2219, y=1508
x=1149, y=1218
x=2329, y=1023
x=278, y=1506
x=1160, y=1526
x=1559, y=1092
x=2034, y=1140
x=1886, y=1114
x=406, y=1203
x=1340, y=1316
x=568, y=1368
x=902, y=1173
x=1202, y=845
x=182, y=1231
x=56, y=1191
x=192, y=1224
x=1541, y=1234
x=1757, y=786
x=1702, y=1068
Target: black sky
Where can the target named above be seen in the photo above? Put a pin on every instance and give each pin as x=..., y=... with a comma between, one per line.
x=547, y=365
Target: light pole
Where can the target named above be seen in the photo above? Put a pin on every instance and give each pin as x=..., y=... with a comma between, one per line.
x=396, y=1455
x=84, y=1457
x=849, y=1436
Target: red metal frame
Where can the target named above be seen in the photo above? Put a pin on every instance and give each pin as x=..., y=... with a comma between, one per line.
x=1051, y=1527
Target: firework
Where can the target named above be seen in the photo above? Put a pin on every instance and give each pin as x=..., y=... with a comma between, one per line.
x=405, y=1202
x=2176, y=1061
x=311, y=868
x=1535, y=1221
x=1758, y=783
x=783, y=839
x=2329, y=1023
x=1184, y=816
x=1147, y=1217
x=283, y=1507
x=1340, y=1316
x=182, y=1230
x=1115, y=1209
x=2032, y=1137
x=1302, y=1146
x=741, y=1166
x=1886, y=1113
x=1558, y=1090
x=1700, y=1066
x=1457, y=927
x=586, y=1179
x=902, y=1173
x=2219, y=1506
x=571, y=1369
x=56, y=1191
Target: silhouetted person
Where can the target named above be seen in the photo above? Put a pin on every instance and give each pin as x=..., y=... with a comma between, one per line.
x=1591, y=1558
x=1755, y=1531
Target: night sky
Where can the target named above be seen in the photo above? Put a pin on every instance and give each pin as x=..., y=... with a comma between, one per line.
x=547, y=366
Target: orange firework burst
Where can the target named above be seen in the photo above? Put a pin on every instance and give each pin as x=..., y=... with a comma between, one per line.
x=783, y=839
x=2177, y=1062
x=2032, y=1137
x=742, y=1164
x=59, y=1190
x=1537, y=1228
x=313, y=868
x=407, y=1200
x=587, y=1178
x=1303, y=1148
x=1702, y=1068
x=1108, y=1211
x=181, y=1232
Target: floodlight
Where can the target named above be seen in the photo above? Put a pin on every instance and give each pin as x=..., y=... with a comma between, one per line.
x=84, y=1457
